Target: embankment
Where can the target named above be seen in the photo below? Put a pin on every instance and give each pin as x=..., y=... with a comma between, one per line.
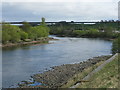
x=104, y=76
x=59, y=75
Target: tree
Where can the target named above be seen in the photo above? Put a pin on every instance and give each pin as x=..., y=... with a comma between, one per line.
x=26, y=26
x=108, y=31
x=5, y=37
x=38, y=32
x=116, y=46
x=23, y=35
x=79, y=33
x=15, y=38
x=11, y=33
x=43, y=21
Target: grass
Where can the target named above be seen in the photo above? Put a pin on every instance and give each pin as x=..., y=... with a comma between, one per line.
x=107, y=77
x=80, y=75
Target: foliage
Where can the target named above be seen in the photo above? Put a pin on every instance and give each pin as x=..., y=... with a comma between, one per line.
x=23, y=35
x=5, y=37
x=43, y=21
x=79, y=33
x=101, y=30
x=26, y=26
x=10, y=33
x=14, y=34
x=37, y=32
x=116, y=46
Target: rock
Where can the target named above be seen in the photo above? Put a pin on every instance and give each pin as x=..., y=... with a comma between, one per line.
x=21, y=84
x=27, y=82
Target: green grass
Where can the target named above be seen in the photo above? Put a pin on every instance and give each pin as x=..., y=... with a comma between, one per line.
x=79, y=76
x=107, y=77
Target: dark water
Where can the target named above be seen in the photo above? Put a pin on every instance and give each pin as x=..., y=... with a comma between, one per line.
x=22, y=62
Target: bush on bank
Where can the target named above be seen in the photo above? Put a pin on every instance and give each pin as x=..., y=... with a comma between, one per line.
x=15, y=34
x=116, y=46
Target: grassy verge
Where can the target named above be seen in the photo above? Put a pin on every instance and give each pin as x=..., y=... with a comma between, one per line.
x=80, y=75
x=107, y=77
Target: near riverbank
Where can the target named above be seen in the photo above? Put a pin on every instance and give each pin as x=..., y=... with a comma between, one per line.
x=58, y=76
x=105, y=76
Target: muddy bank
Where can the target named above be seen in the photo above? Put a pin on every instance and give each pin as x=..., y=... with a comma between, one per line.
x=44, y=40
x=59, y=75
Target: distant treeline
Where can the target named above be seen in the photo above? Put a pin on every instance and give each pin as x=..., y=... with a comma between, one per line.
x=15, y=34
x=102, y=29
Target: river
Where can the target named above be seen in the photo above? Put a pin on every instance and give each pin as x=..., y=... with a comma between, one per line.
x=19, y=63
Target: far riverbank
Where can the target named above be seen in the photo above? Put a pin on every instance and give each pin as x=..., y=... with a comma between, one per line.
x=104, y=38
x=42, y=41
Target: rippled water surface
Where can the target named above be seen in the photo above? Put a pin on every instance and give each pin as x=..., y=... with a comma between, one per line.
x=19, y=63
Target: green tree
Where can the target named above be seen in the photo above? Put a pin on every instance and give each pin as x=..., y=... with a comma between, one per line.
x=32, y=33
x=38, y=32
x=116, y=46
x=23, y=35
x=92, y=32
x=15, y=38
x=5, y=37
x=43, y=21
x=79, y=33
x=108, y=31
x=26, y=26
x=12, y=31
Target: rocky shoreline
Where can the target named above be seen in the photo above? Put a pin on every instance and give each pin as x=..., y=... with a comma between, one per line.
x=59, y=75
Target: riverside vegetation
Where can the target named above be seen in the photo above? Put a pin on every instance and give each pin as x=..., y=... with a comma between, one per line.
x=27, y=33
x=103, y=29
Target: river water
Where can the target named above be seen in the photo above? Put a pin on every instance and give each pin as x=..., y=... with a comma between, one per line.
x=19, y=63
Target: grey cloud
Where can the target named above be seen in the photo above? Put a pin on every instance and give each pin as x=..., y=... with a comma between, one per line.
x=59, y=11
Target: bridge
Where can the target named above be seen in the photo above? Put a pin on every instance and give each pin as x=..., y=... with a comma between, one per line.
x=64, y=22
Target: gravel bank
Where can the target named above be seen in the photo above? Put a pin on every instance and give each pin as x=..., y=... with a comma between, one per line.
x=59, y=75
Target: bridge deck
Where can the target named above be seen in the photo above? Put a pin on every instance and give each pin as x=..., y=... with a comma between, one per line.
x=36, y=23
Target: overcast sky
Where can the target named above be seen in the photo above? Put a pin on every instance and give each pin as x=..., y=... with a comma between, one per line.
x=59, y=10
